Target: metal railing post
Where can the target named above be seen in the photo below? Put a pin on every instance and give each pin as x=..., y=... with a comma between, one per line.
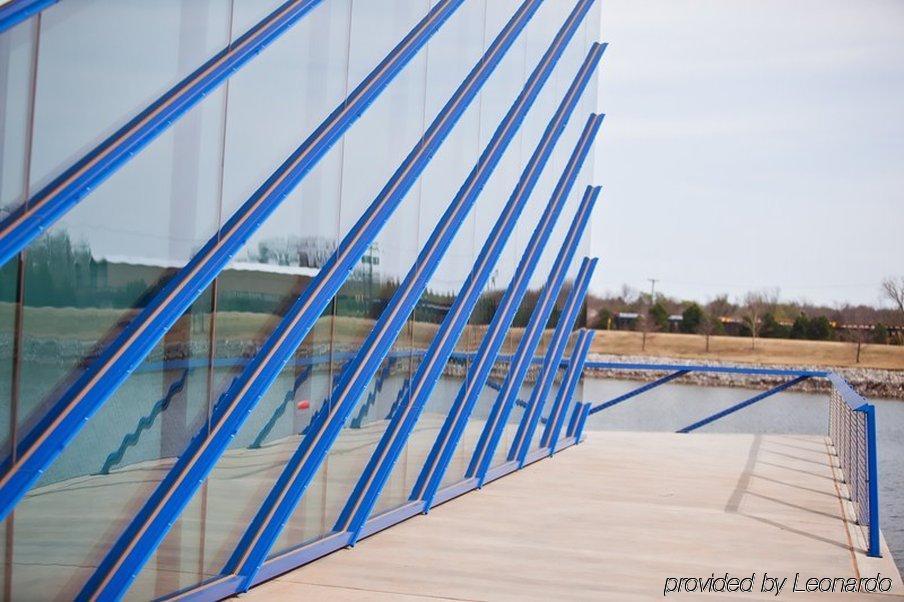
x=872, y=477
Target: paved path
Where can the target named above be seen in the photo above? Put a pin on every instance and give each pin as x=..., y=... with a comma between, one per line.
x=612, y=519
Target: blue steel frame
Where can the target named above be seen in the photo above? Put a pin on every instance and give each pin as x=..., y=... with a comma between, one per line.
x=743, y=404
x=16, y=11
x=64, y=192
x=642, y=389
x=47, y=439
x=547, y=376
x=583, y=411
x=478, y=374
x=379, y=468
x=301, y=468
x=573, y=373
x=573, y=421
x=495, y=424
x=146, y=531
x=442, y=343
x=447, y=439
x=705, y=368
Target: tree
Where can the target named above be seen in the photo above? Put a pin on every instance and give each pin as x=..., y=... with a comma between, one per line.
x=720, y=307
x=691, y=319
x=660, y=316
x=801, y=327
x=820, y=329
x=893, y=289
x=772, y=328
x=880, y=334
x=710, y=324
x=756, y=304
x=603, y=319
x=855, y=329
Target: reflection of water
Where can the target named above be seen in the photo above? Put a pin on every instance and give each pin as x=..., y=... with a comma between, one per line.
x=670, y=407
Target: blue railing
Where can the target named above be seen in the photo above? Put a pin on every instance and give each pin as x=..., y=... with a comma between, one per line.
x=852, y=426
x=852, y=430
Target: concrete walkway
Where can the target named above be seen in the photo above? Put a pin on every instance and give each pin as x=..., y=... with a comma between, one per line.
x=612, y=519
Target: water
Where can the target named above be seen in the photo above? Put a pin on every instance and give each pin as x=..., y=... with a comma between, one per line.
x=673, y=406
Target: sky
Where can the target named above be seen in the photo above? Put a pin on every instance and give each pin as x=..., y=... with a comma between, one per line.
x=751, y=144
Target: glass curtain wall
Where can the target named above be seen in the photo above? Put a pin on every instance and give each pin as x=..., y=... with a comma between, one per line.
x=71, y=76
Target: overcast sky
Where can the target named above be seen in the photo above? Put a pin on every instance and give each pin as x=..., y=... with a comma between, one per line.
x=752, y=144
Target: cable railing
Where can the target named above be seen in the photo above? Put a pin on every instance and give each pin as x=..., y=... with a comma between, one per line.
x=851, y=428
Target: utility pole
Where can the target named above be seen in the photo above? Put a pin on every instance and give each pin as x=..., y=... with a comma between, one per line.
x=646, y=318
x=653, y=282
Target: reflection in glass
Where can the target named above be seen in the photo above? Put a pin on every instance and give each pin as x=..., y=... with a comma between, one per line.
x=98, y=63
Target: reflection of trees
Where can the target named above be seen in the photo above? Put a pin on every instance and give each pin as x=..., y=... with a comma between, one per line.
x=304, y=251
x=61, y=273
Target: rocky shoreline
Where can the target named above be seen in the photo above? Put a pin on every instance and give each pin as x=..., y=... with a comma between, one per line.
x=869, y=382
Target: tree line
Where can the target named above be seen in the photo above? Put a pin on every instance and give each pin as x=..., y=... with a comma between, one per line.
x=759, y=314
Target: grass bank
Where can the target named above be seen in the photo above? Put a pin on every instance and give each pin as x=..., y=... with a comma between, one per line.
x=738, y=349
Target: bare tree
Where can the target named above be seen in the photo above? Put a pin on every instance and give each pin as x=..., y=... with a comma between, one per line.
x=850, y=316
x=756, y=304
x=893, y=289
x=708, y=326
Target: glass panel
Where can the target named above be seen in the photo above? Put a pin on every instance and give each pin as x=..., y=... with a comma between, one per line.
x=452, y=54
x=274, y=104
x=442, y=182
x=129, y=53
x=17, y=47
x=537, y=39
x=96, y=268
x=16, y=71
x=396, y=119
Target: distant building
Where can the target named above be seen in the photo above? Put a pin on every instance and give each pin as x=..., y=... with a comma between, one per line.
x=626, y=320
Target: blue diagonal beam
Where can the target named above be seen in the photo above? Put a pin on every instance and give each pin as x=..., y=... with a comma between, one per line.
x=545, y=380
x=118, y=359
x=495, y=424
x=437, y=461
x=64, y=192
x=635, y=392
x=583, y=411
x=566, y=391
x=433, y=471
x=380, y=466
x=154, y=520
x=370, y=485
x=14, y=12
x=742, y=405
x=301, y=468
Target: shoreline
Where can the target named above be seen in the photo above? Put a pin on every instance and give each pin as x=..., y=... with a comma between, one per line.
x=868, y=382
